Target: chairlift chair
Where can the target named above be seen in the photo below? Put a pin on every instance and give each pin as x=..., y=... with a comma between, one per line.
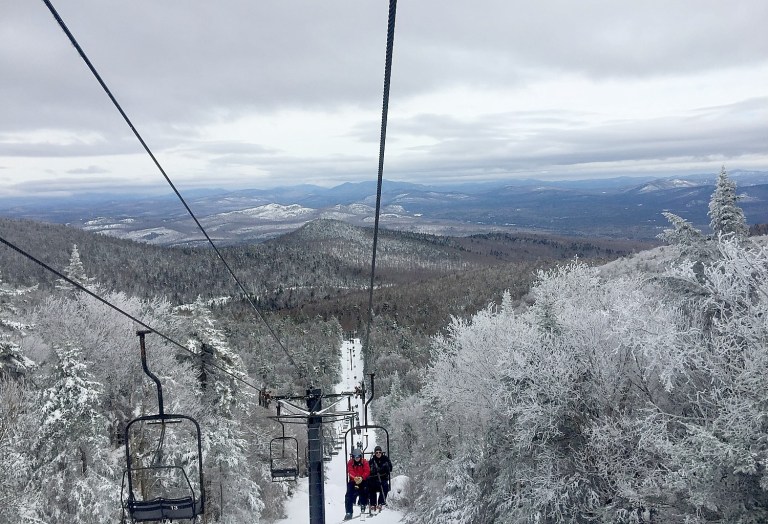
x=161, y=491
x=284, y=458
x=162, y=485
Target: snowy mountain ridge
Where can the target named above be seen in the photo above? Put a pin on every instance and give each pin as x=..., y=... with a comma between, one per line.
x=626, y=208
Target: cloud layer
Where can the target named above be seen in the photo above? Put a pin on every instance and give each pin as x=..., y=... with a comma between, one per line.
x=251, y=94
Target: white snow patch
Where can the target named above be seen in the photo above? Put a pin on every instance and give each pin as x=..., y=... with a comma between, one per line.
x=272, y=212
x=103, y=227
x=336, y=215
x=395, y=209
x=398, y=487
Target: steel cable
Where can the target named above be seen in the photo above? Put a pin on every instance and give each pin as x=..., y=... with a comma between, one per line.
x=167, y=178
x=382, y=142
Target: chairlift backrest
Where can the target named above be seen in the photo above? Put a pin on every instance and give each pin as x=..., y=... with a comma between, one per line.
x=284, y=458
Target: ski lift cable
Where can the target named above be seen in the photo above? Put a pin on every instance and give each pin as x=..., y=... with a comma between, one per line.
x=117, y=105
x=119, y=310
x=382, y=143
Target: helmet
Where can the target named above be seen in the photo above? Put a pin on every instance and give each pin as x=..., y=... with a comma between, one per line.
x=357, y=453
x=377, y=448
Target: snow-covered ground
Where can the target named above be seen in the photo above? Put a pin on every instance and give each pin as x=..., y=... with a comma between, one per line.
x=297, y=509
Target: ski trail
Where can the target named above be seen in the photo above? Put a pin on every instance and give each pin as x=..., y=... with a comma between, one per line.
x=297, y=508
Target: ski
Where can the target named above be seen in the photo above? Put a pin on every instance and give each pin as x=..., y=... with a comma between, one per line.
x=360, y=516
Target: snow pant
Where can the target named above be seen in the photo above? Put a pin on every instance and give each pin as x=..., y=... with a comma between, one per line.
x=356, y=493
x=378, y=491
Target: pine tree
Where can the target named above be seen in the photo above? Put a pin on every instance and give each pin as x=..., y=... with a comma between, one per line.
x=18, y=427
x=13, y=363
x=76, y=271
x=225, y=447
x=682, y=232
x=726, y=217
x=73, y=472
x=221, y=391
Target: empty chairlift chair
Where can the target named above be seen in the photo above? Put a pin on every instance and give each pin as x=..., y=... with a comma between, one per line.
x=164, y=463
x=284, y=457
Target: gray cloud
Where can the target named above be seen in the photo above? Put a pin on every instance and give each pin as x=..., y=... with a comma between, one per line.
x=77, y=184
x=229, y=148
x=705, y=135
x=90, y=170
x=180, y=67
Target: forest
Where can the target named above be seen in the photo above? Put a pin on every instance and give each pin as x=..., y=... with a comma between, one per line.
x=522, y=378
x=632, y=392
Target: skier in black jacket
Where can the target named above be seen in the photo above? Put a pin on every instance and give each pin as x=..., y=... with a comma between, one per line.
x=378, y=482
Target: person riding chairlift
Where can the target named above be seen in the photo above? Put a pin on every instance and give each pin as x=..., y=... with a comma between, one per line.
x=378, y=482
x=358, y=471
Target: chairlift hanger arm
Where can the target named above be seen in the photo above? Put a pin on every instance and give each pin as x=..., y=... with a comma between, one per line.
x=294, y=408
x=304, y=397
x=327, y=409
x=305, y=413
x=335, y=415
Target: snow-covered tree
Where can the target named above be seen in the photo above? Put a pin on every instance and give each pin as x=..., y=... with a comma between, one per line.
x=682, y=233
x=711, y=437
x=73, y=469
x=223, y=402
x=108, y=342
x=18, y=429
x=76, y=272
x=726, y=217
x=13, y=363
x=219, y=385
x=612, y=399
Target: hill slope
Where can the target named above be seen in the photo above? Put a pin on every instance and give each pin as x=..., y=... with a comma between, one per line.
x=307, y=268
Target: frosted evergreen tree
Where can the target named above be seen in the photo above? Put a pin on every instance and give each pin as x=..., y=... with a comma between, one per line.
x=73, y=472
x=506, y=303
x=726, y=217
x=13, y=363
x=220, y=390
x=76, y=271
x=18, y=428
x=682, y=232
x=224, y=402
x=692, y=244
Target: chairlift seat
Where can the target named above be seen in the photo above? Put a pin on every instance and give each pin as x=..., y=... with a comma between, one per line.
x=164, y=508
x=285, y=472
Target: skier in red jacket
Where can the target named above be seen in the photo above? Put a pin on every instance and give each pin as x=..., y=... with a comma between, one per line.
x=358, y=471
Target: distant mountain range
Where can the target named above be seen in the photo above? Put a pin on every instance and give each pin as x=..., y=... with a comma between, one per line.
x=617, y=207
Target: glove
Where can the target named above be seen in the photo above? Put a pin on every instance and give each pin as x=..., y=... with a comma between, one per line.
x=358, y=480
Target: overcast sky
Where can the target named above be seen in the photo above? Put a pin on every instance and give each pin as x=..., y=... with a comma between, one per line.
x=260, y=93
